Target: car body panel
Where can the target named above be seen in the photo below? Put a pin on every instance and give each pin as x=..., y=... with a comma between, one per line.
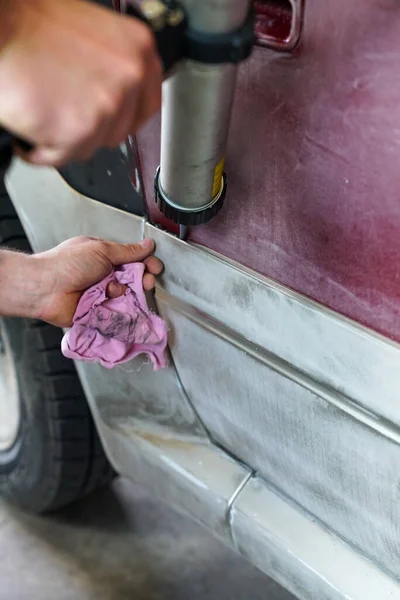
x=312, y=164
x=272, y=411
x=304, y=557
x=144, y=418
x=298, y=394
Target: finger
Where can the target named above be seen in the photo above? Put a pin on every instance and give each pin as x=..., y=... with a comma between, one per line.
x=115, y=289
x=148, y=282
x=96, y=139
x=150, y=99
x=150, y=104
x=154, y=265
x=57, y=157
x=148, y=93
x=120, y=129
x=119, y=254
x=42, y=156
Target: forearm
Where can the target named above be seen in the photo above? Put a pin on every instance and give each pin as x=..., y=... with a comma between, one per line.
x=20, y=281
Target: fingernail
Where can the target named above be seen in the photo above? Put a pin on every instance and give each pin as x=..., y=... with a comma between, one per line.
x=146, y=244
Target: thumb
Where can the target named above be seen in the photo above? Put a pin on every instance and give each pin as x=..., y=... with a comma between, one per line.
x=119, y=254
x=115, y=289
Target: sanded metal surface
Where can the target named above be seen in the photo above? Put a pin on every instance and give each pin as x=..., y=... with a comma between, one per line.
x=270, y=532
x=340, y=470
x=299, y=394
x=303, y=396
x=322, y=347
x=152, y=435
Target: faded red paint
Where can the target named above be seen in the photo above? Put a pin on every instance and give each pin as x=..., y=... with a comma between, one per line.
x=314, y=163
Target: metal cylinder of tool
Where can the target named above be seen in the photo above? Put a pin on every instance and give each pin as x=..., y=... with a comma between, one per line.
x=197, y=106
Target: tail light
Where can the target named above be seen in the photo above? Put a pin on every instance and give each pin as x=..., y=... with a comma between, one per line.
x=279, y=23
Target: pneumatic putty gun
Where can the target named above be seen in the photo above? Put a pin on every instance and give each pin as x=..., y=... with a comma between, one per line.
x=201, y=43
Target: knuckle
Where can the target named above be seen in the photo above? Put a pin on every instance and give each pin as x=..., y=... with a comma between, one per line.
x=80, y=132
x=81, y=239
x=143, y=40
x=100, y=245
x=108, y=103
x=45, y=157
x=57, y=161
x=103, y=247
x=134, y=248
x=73, y=129
x=132, y=72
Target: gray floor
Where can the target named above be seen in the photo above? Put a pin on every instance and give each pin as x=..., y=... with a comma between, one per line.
x=119, y=545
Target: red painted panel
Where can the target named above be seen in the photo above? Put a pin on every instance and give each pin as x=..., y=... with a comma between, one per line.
x=314, y=163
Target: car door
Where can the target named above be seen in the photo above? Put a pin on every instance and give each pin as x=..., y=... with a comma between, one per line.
x=283, y=312
x=284, y=309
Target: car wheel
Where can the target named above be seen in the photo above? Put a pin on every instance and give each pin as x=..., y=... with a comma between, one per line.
x=50, y=452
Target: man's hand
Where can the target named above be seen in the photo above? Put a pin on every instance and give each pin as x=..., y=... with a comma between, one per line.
x=74, y=77
x=48, y=285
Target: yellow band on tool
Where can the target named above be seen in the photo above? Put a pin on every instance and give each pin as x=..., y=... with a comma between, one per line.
x=219, y=171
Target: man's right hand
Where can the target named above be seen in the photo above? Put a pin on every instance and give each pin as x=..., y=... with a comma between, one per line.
x=74, y=77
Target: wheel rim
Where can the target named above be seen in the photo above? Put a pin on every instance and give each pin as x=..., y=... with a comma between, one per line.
x=9, y=394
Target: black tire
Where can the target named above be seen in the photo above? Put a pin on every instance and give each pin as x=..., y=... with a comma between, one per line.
x=57, y=456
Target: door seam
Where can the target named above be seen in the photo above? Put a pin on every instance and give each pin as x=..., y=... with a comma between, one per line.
x=231, y=503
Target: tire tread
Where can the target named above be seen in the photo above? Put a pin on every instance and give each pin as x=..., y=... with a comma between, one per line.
x=80, y=465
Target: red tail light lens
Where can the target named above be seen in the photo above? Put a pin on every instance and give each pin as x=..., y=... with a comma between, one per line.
x=279, y=23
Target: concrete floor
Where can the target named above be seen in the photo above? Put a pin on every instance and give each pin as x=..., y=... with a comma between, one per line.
x=120, y=545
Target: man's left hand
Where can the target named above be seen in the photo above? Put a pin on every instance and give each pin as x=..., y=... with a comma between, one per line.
x=48, y=285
